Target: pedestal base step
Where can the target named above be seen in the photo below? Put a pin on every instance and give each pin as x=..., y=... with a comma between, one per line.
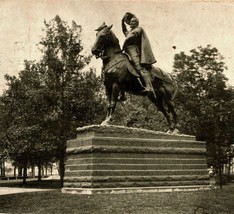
x=90, y=191
x=112, y=159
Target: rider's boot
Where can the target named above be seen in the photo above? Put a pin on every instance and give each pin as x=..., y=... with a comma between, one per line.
x=148, y=87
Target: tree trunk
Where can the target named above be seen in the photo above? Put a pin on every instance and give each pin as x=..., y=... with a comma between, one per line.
x=33, y=171
x=39, y=171
x=61, y=169
x=14, y=171
x=20, y=171
x=25, y=172
x=42, y=171
x=51, y=173
x=220, y=165
x=46, y=168
x=3, y=168
x=62, y=163
x=229, y=167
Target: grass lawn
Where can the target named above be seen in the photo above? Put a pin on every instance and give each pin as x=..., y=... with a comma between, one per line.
x=212, y=201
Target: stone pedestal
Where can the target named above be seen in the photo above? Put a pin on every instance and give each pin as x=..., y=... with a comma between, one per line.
x=115, y=159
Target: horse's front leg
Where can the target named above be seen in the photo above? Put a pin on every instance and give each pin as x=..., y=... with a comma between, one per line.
x=107, y=119
x=112, y=101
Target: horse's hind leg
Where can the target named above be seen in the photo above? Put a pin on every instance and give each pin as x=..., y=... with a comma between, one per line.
x=171, y=108
x=159, y=104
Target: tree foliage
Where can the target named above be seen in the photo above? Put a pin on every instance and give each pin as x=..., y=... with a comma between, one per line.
x=51, y=98
x=139, y=112
x=205, y=101
x=23, y=119
x=62, y=62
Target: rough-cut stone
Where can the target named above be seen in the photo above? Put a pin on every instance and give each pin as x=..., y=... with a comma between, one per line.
x=112, y=157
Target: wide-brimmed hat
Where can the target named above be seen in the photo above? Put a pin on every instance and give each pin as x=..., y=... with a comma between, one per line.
x=128, y=16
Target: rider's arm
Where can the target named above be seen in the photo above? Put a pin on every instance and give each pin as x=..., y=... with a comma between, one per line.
x=137, y=31
x=134, y=33
x=124, y=28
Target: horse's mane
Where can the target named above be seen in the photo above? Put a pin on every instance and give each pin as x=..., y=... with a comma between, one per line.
x=115, y=39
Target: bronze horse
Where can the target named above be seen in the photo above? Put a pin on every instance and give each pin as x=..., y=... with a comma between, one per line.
x=120, y=76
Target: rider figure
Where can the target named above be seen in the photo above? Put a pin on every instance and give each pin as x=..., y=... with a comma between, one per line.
x=137, y=45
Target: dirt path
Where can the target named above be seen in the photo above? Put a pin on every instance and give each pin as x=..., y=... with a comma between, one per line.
x=14, y=190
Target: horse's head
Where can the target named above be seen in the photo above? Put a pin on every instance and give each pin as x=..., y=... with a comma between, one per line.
x=104, y=38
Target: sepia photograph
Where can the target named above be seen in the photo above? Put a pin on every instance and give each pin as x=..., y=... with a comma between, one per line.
x=117, y=106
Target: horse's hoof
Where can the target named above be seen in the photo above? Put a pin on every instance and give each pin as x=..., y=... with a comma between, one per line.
x=146, y=93
x=122, y=99
x=169, y=131
x=104, y=123
x=107, y=122
x=176, y=131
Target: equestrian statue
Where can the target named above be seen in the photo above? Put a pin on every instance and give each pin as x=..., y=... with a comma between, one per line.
x=131, y=70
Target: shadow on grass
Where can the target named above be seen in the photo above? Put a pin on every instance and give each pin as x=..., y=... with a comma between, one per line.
x=44, y=184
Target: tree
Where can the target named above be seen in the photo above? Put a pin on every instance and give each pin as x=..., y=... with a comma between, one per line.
x=70, y=91
x=204, y=99
x=51, y=98
x=25, y=139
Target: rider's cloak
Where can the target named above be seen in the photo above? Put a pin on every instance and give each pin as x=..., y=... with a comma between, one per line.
x=137, y=36
x=147, y=56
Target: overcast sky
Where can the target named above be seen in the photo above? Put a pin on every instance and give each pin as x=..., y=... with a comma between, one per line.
x=184, y=24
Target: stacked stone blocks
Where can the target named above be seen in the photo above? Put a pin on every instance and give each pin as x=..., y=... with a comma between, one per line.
x=113, y=157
